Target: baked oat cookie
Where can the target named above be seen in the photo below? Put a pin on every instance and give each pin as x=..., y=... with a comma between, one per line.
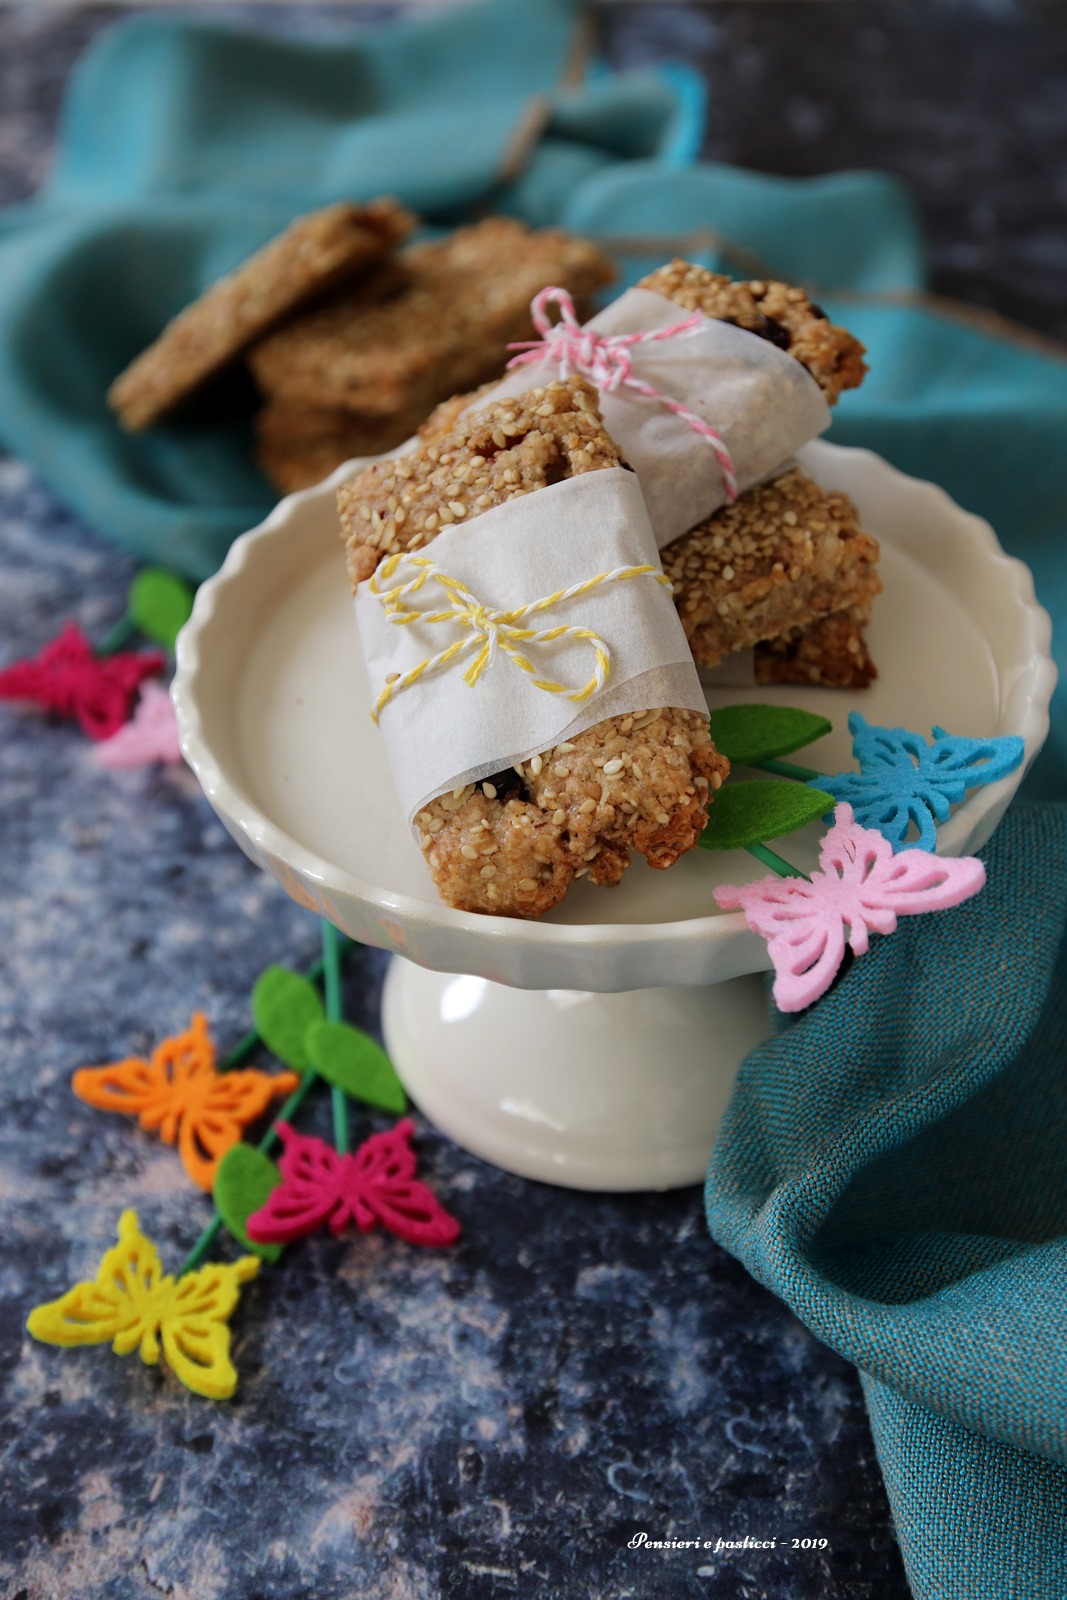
x=780, y=558
x=301, y=445
x=775, y=311
x=785, y=569
x=514, y=843
x=831, y=653
x=298, y=446
x=314, y=254
x=440, y=325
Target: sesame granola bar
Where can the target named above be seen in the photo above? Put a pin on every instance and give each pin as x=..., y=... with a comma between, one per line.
x=780, y=558
x=730, y=571
x=777, y=312
x=514, y=843
x=830, y=653
x=314, y=254
x=442, y=324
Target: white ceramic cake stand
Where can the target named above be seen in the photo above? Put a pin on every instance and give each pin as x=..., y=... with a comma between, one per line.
x=596, y=1047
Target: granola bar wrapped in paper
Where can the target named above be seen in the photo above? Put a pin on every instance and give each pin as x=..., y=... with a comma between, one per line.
x=699, y=408
x=539, y=701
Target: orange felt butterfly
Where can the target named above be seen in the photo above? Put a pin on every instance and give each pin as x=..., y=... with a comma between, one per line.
x=180, y=1093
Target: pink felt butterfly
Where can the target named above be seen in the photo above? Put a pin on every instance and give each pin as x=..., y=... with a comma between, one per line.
x=860, y=885
x=152, y=735
x=376, y=1184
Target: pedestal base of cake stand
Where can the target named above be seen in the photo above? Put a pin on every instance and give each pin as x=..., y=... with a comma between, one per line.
x=589, y=1091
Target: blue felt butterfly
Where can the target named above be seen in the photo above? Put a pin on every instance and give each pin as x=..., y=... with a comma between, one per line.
x=903, y=778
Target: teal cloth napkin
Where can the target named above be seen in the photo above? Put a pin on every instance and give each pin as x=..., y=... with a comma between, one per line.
x=902, y=1184
x=184, y=146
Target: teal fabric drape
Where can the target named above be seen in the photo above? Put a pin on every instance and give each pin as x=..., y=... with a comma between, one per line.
x=184, y=146
x=892, y=1165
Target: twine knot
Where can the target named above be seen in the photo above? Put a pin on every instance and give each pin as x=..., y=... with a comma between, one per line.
x=605, y=360
x=489, y=631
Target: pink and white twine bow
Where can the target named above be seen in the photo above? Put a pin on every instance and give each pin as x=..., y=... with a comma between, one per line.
x=605, y=360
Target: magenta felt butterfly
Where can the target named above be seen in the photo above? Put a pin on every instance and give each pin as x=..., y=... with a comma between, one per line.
x=860, y=885
x=376, y=1184
x=67, y=677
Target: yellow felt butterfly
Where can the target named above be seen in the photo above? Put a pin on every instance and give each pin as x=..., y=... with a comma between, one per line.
x=132, y=1302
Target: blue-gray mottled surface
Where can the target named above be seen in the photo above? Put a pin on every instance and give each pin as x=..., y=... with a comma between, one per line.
x=496, y=1420
x=500, y=1419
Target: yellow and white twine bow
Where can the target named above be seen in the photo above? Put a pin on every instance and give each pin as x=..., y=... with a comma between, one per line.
x=489, y=631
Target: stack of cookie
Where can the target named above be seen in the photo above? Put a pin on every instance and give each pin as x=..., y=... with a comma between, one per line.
x=359, y=372
x=785, y=571
x=353, y=341
x=313, y=256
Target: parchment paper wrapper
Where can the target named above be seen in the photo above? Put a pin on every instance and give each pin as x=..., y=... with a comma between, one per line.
x=763, y=403
x=441, y=732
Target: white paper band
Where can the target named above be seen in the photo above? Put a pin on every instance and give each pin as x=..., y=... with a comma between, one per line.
x=762, y=401
x=442, y=731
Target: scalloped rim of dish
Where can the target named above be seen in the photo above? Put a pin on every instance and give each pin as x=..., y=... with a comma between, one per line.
x=268, y=838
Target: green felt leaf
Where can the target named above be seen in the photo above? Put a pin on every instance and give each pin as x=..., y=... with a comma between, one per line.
x=747, y=734
x=284, y=1005
x=351, y=1061
x=754, y=813
x=160, y=602
x=244, y=1181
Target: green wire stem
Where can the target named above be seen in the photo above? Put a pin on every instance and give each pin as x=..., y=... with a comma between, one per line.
x=328, y=965
x=201, y=1247
x=768, y=858
x=332, y=984
x=288, y=1112
x=788, y=769
x=120, y=634
x=244, y=1047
